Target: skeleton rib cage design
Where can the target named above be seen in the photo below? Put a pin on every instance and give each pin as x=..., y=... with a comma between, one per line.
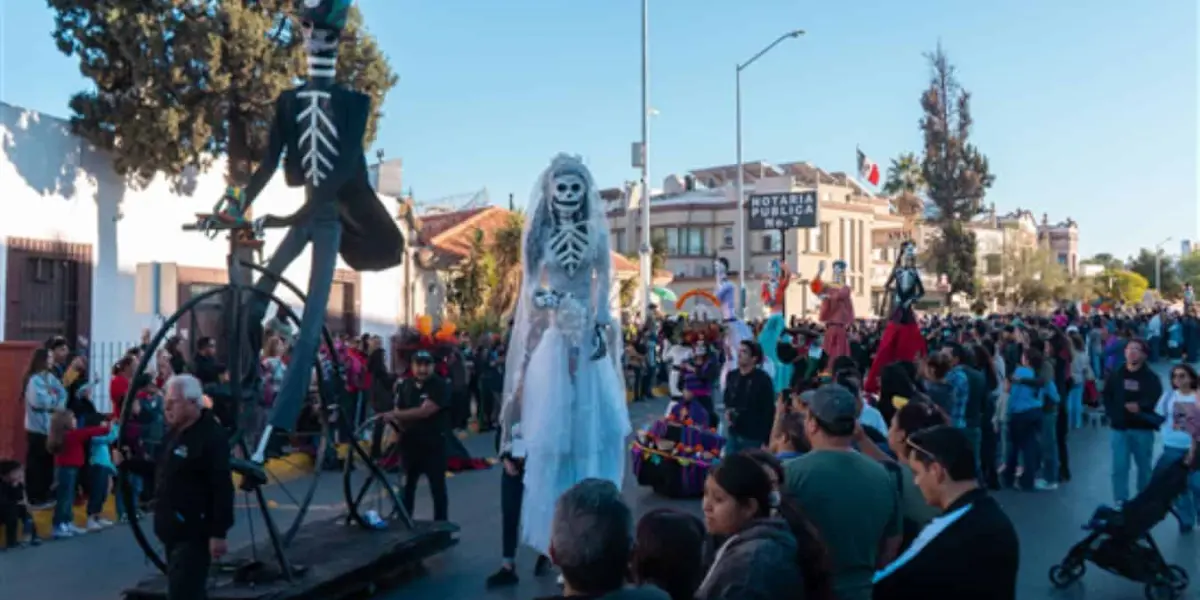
x=318, y=137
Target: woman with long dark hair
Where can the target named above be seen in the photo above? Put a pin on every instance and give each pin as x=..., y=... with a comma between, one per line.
x=1064, y=357
x=44, y=394
x=1177, y=442
x=770, y=549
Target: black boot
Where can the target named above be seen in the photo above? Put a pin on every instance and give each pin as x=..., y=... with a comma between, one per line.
x=505, y=577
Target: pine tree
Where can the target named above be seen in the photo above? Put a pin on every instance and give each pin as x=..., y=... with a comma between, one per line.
x=179, y=83
x=955, y=174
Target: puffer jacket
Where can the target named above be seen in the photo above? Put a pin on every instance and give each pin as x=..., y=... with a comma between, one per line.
x=758, y=563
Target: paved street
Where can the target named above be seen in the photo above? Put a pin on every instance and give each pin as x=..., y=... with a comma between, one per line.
x=100, y=565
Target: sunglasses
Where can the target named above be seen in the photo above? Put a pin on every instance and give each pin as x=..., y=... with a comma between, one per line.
x=927, y=454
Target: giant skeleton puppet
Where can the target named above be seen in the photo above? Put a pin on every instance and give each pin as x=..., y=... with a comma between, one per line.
x=318, y=132
x=902, y=340
x=736, y=330
x=837, y=309
x=564, y=406
x=774, y=292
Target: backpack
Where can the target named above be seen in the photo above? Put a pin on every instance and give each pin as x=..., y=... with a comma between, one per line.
x=909, y=527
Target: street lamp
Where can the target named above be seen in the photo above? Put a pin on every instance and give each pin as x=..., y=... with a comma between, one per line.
x=1158, y=264
x=741, y=197
x=646, y=248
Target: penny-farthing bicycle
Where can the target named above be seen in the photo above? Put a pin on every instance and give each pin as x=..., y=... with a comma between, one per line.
x=282, y=499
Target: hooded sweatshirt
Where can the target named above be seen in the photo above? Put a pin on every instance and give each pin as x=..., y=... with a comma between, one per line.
x=757, y=562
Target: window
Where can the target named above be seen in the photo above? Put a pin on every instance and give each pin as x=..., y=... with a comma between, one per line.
x=682, y=241
x=1062, y=259
x=43, y=269
x=821, y=239
x=618, y=240
x=772, y=241
x=727, y=237
x=993, y=264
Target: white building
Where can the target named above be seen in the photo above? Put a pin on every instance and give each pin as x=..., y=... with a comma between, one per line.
x=90, y=258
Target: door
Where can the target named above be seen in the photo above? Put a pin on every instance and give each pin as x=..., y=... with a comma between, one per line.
x=49, y=291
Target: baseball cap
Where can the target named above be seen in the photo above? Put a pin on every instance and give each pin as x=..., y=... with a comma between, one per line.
x=422, y=356
x=834, y=406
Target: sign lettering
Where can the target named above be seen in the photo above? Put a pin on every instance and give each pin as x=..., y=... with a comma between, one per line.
x=794, y=210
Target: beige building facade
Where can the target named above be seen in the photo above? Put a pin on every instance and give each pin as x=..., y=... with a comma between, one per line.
x=695, y=217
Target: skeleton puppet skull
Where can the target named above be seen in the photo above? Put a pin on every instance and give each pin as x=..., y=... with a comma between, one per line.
x=839, y=271
x=568, y=190
x=721, y=269
x=776, y=270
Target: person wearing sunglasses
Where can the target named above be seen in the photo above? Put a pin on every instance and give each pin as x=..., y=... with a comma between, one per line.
x=1177, y=442
x=971, y=550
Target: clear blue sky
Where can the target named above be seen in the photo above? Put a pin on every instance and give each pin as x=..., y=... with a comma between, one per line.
x=1086, y=109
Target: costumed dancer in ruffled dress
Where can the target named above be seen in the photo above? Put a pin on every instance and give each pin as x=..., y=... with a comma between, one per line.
x=774, y=290
x=563, y=389
x=902, y=340
x=837, y=309
x=736, y=330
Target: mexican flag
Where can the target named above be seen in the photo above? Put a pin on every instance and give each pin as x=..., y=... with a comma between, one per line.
x=867, y=169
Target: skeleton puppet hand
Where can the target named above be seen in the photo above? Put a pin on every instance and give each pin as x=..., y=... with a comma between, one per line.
x=600, y=341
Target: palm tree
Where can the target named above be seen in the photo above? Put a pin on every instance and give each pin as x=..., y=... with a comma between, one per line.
x=506, y=252
x=905, y=182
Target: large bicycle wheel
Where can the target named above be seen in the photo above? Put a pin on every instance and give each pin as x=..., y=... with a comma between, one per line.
x=293, y=480
x=372, y=499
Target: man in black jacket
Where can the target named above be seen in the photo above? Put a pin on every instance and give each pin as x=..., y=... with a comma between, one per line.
x=749, y=401
x=194, y=490
x=423, y=415
x=1131, y=393
x=971, y=550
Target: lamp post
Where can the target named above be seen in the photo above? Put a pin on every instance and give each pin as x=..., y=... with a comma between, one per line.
x=1158, y=265
x=646, y=247
x=738, y=191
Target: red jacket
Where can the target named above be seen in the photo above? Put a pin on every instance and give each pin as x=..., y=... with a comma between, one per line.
x=74, y=448
x=117, y=388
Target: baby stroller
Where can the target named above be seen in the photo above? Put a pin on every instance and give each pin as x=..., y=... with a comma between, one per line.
x=1119, y=540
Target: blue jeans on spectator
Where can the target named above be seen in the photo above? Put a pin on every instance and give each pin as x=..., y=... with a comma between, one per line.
x=1075, y=406
x=98, y=479
x=65, y=479
x=135, y=487
x=1187, y=506
x=1137, y=444
x=1024, y=431
x=1049, y=442
x=1098, y=364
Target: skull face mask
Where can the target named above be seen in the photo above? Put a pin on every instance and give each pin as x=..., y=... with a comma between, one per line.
x=567, y=193
x=776, y=270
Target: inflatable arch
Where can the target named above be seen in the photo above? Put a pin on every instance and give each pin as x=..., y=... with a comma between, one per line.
x=703, y=294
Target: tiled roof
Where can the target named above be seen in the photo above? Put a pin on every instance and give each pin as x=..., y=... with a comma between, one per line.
x=453, y=241
x=433, y=225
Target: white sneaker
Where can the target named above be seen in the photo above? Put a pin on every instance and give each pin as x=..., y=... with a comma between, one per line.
x=63, y=531
x=93, y=524
x=75, y=529
x=1044, y=485
x=104, y=522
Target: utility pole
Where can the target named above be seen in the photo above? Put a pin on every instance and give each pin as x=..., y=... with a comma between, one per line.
x=646, y=247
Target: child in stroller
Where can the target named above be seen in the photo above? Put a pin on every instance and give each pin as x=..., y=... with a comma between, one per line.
x=1119, y=539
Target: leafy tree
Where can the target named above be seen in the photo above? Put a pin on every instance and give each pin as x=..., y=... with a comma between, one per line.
x=955, y=172
x=1144, y=264
x=1106, y=260
x=505, y=251
x=906, y=184
x=178, y=84
x=1121, y=285
x=468, y=287
x=1189, y=269
x=627, y=293
x=1034, y=278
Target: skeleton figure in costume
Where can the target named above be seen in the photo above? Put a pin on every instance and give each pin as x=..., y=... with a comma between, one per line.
x=736, y=330
x=837, y=309
x=774, y=290
x=902, y=340
x=317, y=133
x=564, y=398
